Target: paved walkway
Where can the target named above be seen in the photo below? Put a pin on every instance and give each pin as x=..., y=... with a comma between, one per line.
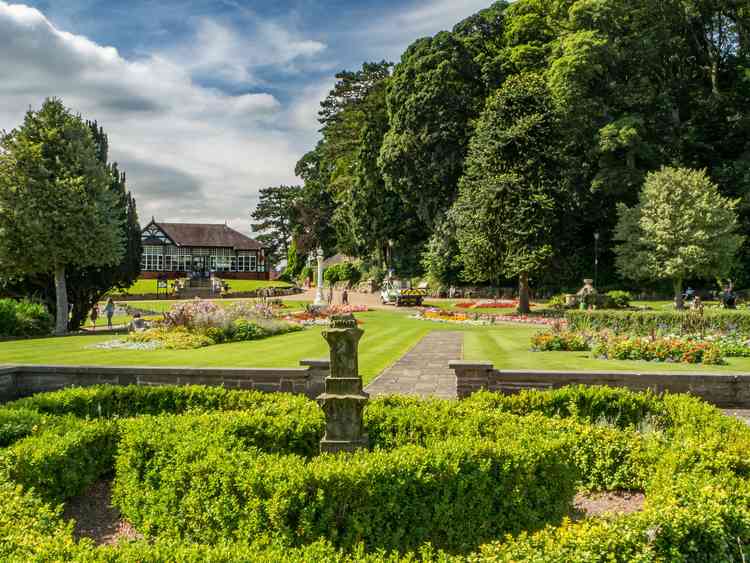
x=424, y=369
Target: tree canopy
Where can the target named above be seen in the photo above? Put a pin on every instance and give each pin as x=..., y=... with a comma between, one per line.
x=55, y=202
x=680, y=227
x=632, y=86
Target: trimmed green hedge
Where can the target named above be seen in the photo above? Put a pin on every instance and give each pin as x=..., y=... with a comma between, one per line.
x=105, y=401
x=18, y=423
x=643, y=323
x=692, y=462
x=456, y=495
x=62, y=460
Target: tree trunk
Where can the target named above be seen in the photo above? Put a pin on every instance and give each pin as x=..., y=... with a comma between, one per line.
x=523, y=294
x=61, y=294
x=678, y=303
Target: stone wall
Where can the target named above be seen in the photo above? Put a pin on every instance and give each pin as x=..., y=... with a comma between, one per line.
x=724, y=390
x=21, y=381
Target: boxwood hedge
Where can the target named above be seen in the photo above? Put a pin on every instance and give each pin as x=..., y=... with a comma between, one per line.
x=644, y=323
x=213, y=471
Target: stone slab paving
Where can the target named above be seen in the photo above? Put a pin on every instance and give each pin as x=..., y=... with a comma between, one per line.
x=424, y=369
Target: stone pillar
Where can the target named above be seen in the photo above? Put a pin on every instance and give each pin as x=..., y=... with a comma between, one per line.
x=344, y=399
x=319, y=299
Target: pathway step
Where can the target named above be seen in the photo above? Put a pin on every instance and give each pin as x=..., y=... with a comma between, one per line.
x=424, y=370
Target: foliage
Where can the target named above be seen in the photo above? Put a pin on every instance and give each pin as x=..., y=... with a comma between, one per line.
x=619, y=299
x=24, y=318
x=345, y=271
x=690, y=460
x=433, y=96
x=559, y=341
x=509, y=195
x=275, y=218
x=646, y=323
x=56, y=208
x=17, y=423
x=681, y=227
x=105, y=401
x=557, y=302
x=455, y=494
x=62, y=459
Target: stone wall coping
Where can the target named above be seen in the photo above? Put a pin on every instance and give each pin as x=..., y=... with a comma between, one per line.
x=620, y=374
x=469, y=364
x=176, y=370
x=316, y=363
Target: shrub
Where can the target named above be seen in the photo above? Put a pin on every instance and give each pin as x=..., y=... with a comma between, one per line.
x=559, y=341
x=644, y=323
x=619, y=299
x=345, y=271
x=18, y=423
x=456, y=494
x=62, y=460
x=24, y=318
x=106, y=401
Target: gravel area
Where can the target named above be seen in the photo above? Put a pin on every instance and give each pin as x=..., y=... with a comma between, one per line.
x=587, y=505
x=96, y=518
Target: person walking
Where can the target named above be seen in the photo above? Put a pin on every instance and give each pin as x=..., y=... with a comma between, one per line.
x=109, y=309
x=345, y=297
x=94, y=315
x=330, y=295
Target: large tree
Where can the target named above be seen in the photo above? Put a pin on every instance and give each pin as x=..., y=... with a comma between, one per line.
x=276, y=216
x=510, y=196
x=681, y=227
x=55, y=202
x=435, y=93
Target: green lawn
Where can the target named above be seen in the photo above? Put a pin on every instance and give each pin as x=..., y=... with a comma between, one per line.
x=148, y=287
x=388, y=335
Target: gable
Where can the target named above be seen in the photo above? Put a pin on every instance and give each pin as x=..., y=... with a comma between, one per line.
x=152, y=234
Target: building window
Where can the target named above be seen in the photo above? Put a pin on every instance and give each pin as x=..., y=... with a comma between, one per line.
x=152, y=259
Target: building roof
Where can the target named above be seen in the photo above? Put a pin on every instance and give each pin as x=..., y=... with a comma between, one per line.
x=206, y=235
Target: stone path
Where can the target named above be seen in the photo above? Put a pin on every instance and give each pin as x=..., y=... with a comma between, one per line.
x=424, y=369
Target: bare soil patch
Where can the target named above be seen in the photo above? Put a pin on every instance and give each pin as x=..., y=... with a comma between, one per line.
x=96, y=518
x=615, y=503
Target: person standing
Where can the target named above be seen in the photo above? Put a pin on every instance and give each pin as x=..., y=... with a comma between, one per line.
x=345, y=297
x=94, y=315
x=109, y=309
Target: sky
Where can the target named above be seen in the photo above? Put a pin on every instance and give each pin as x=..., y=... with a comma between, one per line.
x=205, y=102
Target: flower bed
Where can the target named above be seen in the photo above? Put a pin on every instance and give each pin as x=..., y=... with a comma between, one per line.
x=559, y=341
x=609, y=346
x=495, y=304
x=199, y=323
x=443, y=316
x=613, y=347
x=313, y=316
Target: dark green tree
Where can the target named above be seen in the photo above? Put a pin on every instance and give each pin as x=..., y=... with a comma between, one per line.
x=511, y=194
x=276, y=217
x=56, y=208
x=433, y=96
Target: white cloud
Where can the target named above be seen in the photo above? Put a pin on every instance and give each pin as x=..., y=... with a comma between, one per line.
x=220, y=51
x=390, y=35
x=190, y=152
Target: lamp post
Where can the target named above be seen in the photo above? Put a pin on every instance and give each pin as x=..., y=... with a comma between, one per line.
x=596, y=256
x=319, y=301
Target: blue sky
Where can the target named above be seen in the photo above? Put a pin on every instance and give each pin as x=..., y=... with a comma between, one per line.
x=205, y=101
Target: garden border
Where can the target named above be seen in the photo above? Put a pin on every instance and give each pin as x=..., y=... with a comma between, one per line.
x=18, y=381
x=730, y=390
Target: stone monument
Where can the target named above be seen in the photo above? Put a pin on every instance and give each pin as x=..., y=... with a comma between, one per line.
x=344, y=399
x=319, y=300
